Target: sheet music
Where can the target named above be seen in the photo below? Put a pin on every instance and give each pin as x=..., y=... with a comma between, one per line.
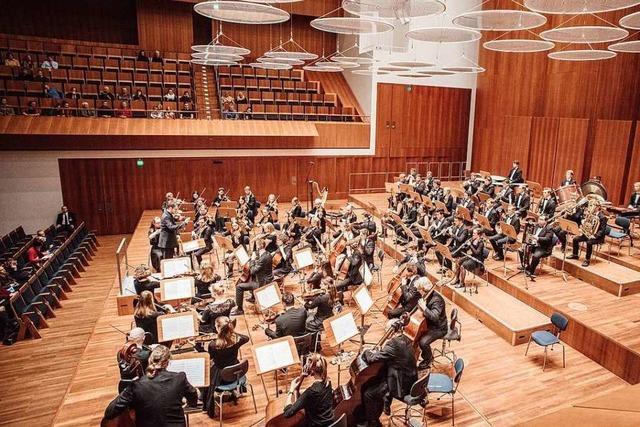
x=284, y=255
x=178, y=327
x=192, y=245
x=367, y=276
x=129, y=287
x=267, y=296
x=274, y=356
x=242, y=255
x=194, y=369
x=178, y=288
x=304, y=258
x=363, y=299
x=344, y=327
x=176, y=266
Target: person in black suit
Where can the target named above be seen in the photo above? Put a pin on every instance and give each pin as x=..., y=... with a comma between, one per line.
x=547, y=205
x=157, y=397
x=367, y=223
x=569, y=179
x=515, y=174
x=398, y=356
x=505, y=194
x=596, y=239
x=169, y=228
x=252, y=203
x=367, y=246
x=285, y=244
x=354, y=278
x=313, y=234
x=204, y=231
x=493, y=214
x=522, y=201
x=459, y=236
x=66, y=221
x=410, y=216
x=634, y=201
x=499, y=240
x=472, y=259
x=154, y=237
x=434, y=311
x=261, y=273
x=291, y=322
x=466, y=202
x=543, y=238
x=323, y=304
x=410, y=294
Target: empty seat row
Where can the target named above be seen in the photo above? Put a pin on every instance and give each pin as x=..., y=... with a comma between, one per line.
x=12, y=242
x=259, y=73
x=266, y=84
x=293, y=112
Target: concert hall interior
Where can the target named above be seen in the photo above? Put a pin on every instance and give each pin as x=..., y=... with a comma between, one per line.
x=320, y=213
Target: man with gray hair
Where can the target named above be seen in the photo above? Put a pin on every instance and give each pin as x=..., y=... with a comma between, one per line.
x=434, y=309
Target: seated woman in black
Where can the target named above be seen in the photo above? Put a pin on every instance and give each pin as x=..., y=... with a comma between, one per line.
x=218, y=307
x=145, y=316
x=142, y=281
x=316, y=400
x=205, y=279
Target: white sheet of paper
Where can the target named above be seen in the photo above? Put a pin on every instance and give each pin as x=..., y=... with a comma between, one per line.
x=268, y=296
x=194, y=368
x=178, y=288
x=129, y=286
x=176, y=266
x=192, y=245
x=363, y=299
x=367, y=276
x=178, y=327
x=304, y=258
x=275, y=356
x=344, y=328
x=242, y=255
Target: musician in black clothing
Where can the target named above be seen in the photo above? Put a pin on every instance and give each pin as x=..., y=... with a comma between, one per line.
x=316, y=400
x=434, y=311
x=634, y=202
x=368, y=223
x=410, y=216
x=398, y=356
x=285, y=244
x=436, y=192
x=472, y=259
x=459, y=236
x=251, y=202
x=596, y=239
x=493, y=214
x=204, y=230
x=416, y=257
x=466, y=202
x=410, y=294
x=141, y=280
x=505, y=194
x=261, y=273
x=547, y=205
x=522, y=201
x=154, y=238
x=313, y=235
x=320, y=213
x=420, y=186
x=569, y=179
x=323, y=304
x=515, y=174
x=499, y=240
x=487, y=186
x=541, y=246
x=367, y=246
x=157, y=396
x=354, y=278
x=169, y=230
x=291, y=322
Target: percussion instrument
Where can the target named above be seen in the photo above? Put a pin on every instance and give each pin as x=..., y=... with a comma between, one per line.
x=594, y=187
x=567, y=193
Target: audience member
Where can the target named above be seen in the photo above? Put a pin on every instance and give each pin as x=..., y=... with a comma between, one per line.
x=27, y=68
x=139, y=96
x=170, y=95
x=187, y=111
x=49, y=63
x=106, y=93
x=124, y=94
x=157, y=112
x=52, y=92
x=240, y=98
x=65, y=221
x=157, y=57
x=40, y=77
x=32, y=109
x=125, y=111
x=186, y=96
x=85, y=111
x=62, y=109
x=247, y=113
x=5, y=109
x=169, y=113
x=19, y=275
x=11, y=61
x=142, y=56
x=228, y=99
x=73, y=94
x=105, y=110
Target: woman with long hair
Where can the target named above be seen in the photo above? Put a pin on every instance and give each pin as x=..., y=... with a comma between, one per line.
x=157, y=396
x=145, y=315
x=205, y=279
x=218, y=307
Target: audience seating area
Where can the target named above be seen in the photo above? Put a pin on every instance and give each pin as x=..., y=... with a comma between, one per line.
x=88, y=70
x=14, y=244
x=36, y=300
x=277, y=95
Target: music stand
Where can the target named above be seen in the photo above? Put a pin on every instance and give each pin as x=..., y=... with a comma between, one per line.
x=364, y=301
x=483, y=221
x=509, y=231
x=196, y=367
x=570, y=227
x=272, y=355
x=405, y=188
x=188, y=247
x=177, y=326
x=181, y=288
x=446, y=254
x=426, y=236
x=441, y=206
x=173, y=267
x=390, y=187
x=302, y=222
x=267, y=297
x=482, y=196
x=463, y=213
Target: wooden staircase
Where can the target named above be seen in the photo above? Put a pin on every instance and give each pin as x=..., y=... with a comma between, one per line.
x=206, y=94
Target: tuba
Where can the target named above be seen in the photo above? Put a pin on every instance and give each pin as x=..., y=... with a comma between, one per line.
x=591, y=221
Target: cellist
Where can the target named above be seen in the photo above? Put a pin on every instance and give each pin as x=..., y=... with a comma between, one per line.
x=410, y=295
x=433, y=307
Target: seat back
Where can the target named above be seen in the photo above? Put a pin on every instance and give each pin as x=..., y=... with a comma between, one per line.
x=454, y=319
x=419, y=388
x=560, y=322
x=235, y=372
x=304, y=343
x=624, y=223
x=459, y=368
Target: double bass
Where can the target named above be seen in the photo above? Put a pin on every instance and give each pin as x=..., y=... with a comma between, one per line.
x=417, y=323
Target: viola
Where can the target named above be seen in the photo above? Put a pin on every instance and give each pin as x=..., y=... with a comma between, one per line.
x=395, y=295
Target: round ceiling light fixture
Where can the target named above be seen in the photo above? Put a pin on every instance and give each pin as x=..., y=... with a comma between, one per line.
x=581, y=55
x=464, y=69
x=277, y=60
x=213, y=62
x=348, y=25
x=271, y=66
x=500, y=20
x=220, y=48
x=410, y=64
x=285, y=54
x=626, y=47
x=362, y=60
x=444, y=35
x=219, y=56
x=335, y=68
x=584, y=34
x=519, y=45
x=437, y=72
x=631, y=21
x=240, y=12
x=394, y=9
x=577, y=7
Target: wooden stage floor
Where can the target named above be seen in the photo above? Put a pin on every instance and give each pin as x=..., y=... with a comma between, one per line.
x=69, y=376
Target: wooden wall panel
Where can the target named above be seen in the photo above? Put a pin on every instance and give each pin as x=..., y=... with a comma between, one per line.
x=516, y=135
x=112, y=21
x=543, y=141
x=572, y=143
x=165, y=25
x=610, y=150
x=634, y=170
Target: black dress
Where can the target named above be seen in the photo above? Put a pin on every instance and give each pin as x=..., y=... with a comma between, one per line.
x=317, y=402
x=214, y=310
x=324, y=310
x=222, y=358
x=150, y=325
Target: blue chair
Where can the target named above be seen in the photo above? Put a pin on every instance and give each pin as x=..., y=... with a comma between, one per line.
x=236, y=377
x=620, y=232
x=546, y=338
x=445, y=385
x=417, y=396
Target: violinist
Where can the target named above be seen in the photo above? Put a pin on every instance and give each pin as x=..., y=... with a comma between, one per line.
x=217, y=306
x=319, y=212
x=323, y=303
x=260, y=269
x=367, y=223
x=201, y=212
x=499, y=240
x=142, y=281
x=285, y=245
x=316, y=400
x=195, y=196
x=220, y=197
x=133, y=357
x=547, y=204
x=205, y=278
x=296, y=209
x=398, y=357
x=169, y=229
x=168, y=200
x=154, y=237
x=433, y=306
x=272, y=204
x=410, y=294
x=270, y=238
x=474, y=260
x=367, y=246
x=145, y=316
x=313, y=235
x=290, y=323
x=251, y=203
x=204, y=231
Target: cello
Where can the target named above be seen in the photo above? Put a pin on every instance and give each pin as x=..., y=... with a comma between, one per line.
x=417, y=324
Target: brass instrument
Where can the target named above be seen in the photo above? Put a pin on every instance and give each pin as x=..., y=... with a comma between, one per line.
x=591, y=221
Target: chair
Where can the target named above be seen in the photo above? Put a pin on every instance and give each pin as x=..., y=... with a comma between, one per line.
x=445, y=385
x=620, y=232
x=417, y=395
x=454, y=334
x=236, y=377
x=546, y=338
x=304, y=343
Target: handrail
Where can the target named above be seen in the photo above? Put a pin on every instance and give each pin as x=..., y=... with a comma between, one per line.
x=121, y=253
x=368, y=187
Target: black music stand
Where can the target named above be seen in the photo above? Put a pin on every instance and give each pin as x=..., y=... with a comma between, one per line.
x=570, y=227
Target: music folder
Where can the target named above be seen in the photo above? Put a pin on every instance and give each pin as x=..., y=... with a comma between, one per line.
x=175, y=266
x=267, y=296
x=303, y=257
x=275, y=354
x=340, y=328
x=196, y=366
x=176, y=326
x=363, y=299
x=177, y=289
x=193, y=245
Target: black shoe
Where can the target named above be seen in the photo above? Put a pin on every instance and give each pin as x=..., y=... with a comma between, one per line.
x=586, y=263
x=521, y=267
x=252, y=300
x=572, y=256
x=236, y=312
x=498, y=257
x=423, y=365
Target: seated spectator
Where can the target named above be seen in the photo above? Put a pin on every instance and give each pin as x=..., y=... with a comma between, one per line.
x=187, y=111
x=139, y=96
x=65, y=110
x=105, y=110
x=142, y=56
x=169, y=113
x=229, y=111
x=170, y=95
x=35, y=257
x=157, y=112
x=65, y=221
x=73, y=94
x=106, y=94
x=228, y=99
x=125, y=111
x=5, y=109
x=19, y=275
x=84, y=110
x=52, y=92
x=40, y=77
x=11, y=61
x=31, y=110
x=247, y=113
x=124, y=94
x=157, y=57
x=240, y=98
x=27, y=68
x=49, y=63
x=186, y=96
